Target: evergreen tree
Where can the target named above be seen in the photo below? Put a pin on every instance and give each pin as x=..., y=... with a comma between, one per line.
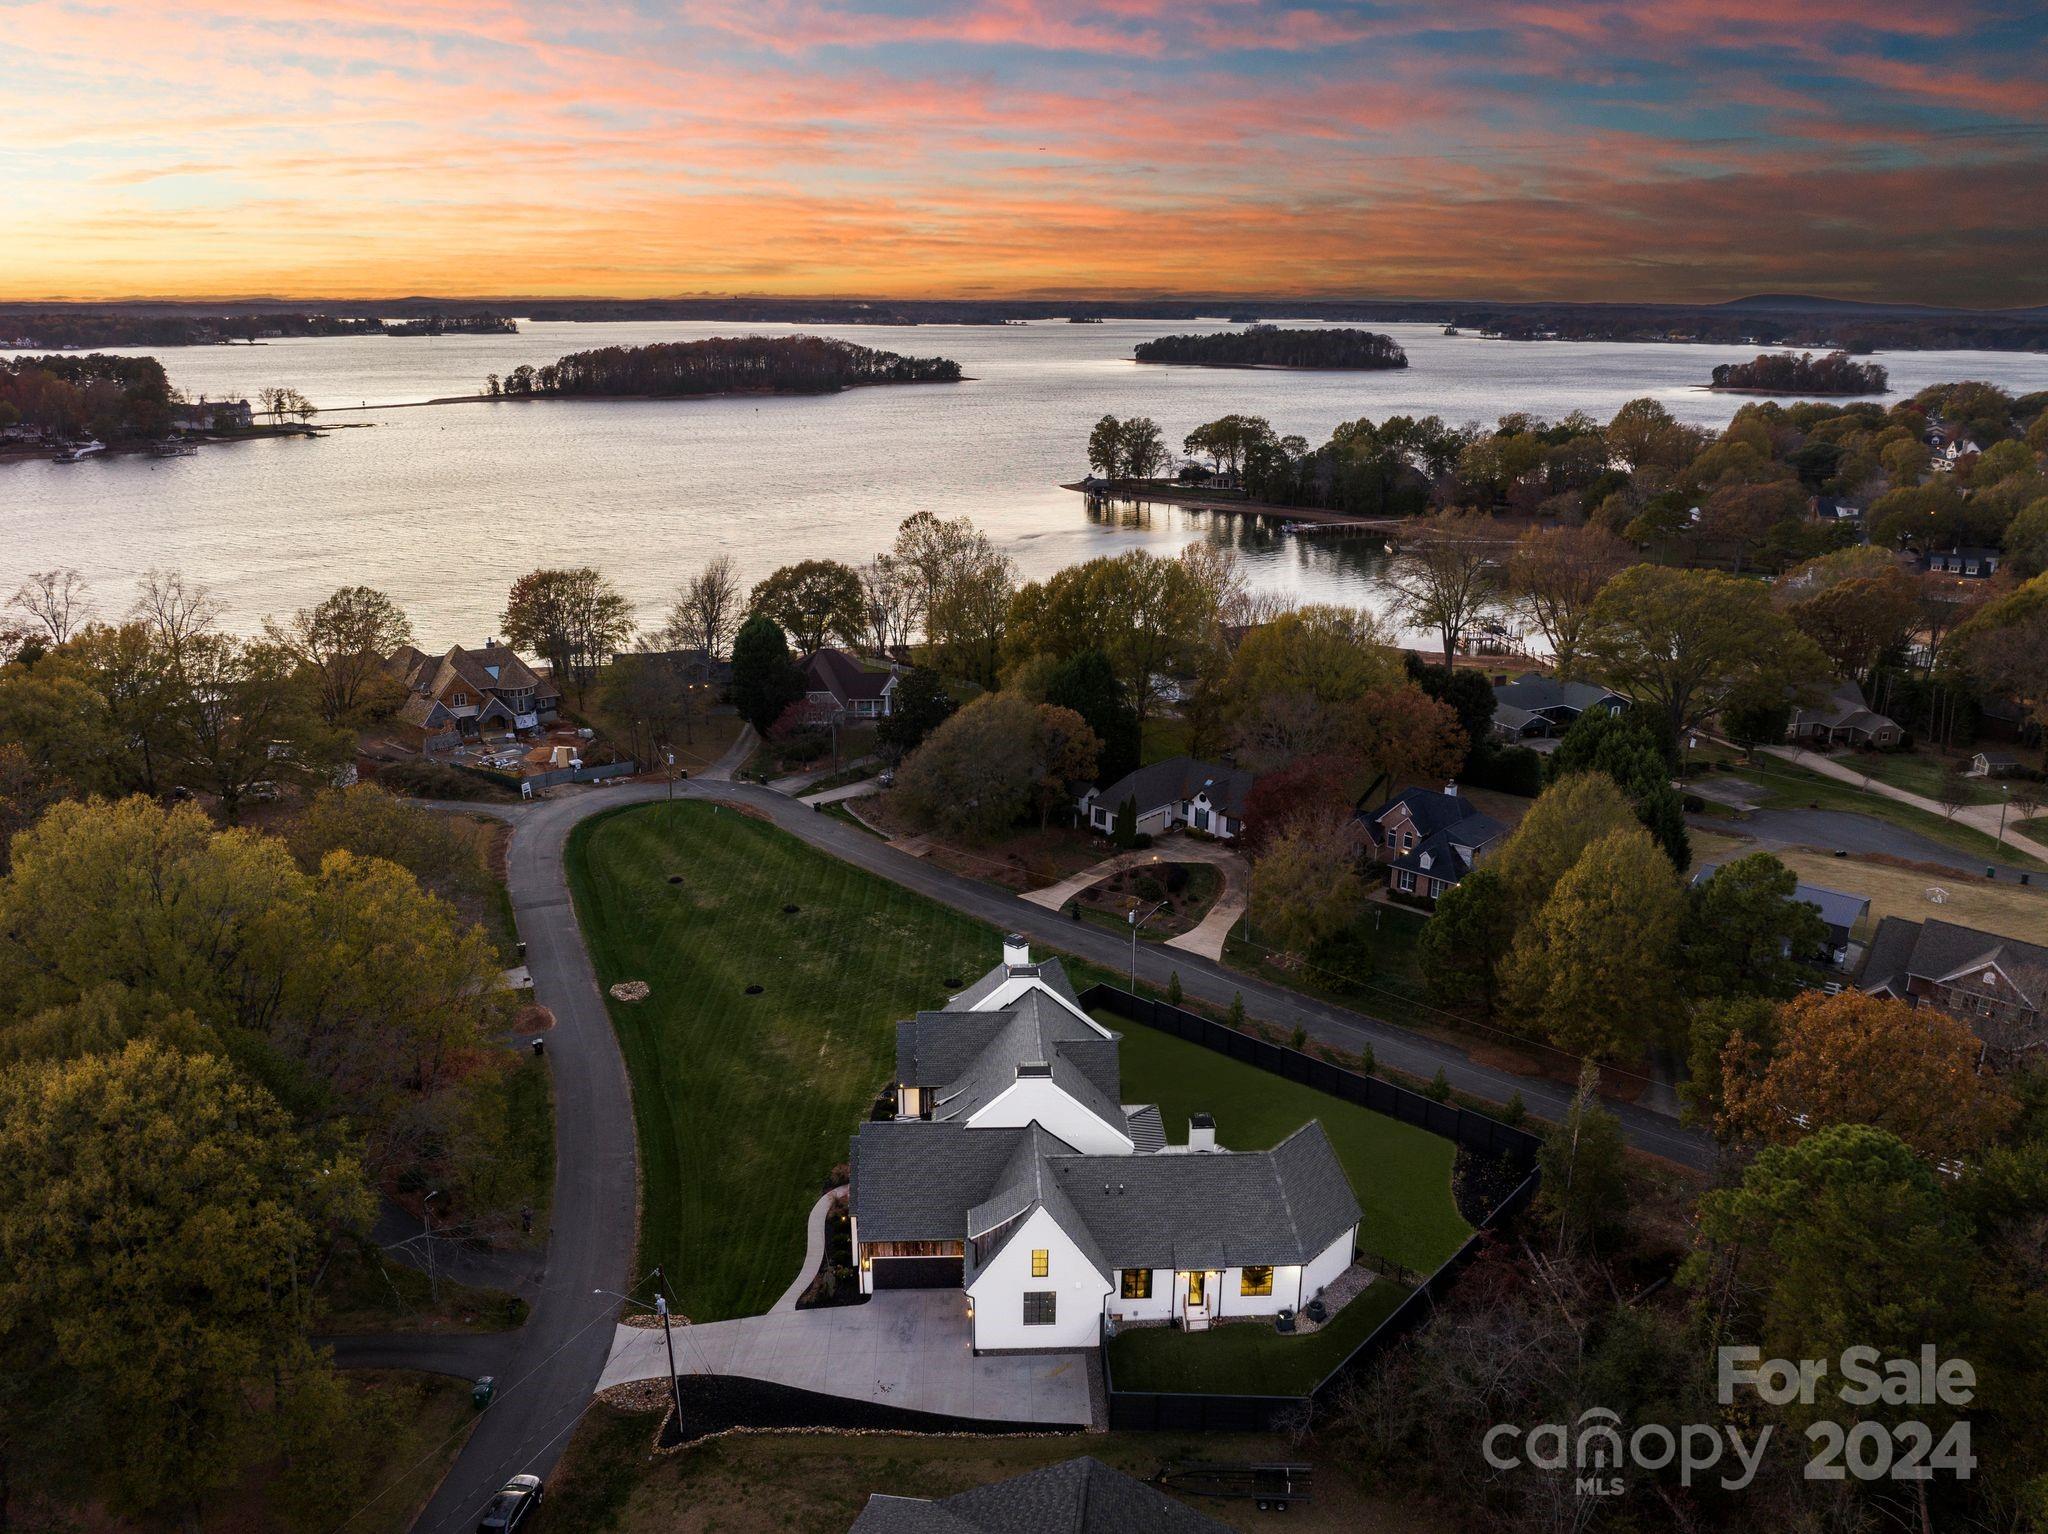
x=765, y=680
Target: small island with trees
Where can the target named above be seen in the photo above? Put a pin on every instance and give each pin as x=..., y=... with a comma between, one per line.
x=1267, y=346
x=720, y=365
x=1785, y=373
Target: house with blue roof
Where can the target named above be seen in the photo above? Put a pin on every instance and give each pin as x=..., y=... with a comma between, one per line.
x=1428, y=839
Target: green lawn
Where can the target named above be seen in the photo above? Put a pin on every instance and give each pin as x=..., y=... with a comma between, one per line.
x=1790, y=787
x=1247, y=1357
x=1401, y=1174
x=1917, y=772
x=744, y=1103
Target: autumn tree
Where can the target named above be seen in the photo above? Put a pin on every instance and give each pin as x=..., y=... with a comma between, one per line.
x=2003, y=647
x=1744, y=515
x=922, y=705
x=1467, y=937
x=244, y=714
x=1685, y=642
x=1306, y=889
x=1554, y=574
x=1593, y=967
x=706, y=612
x=1319, y=788
x=1446, y=578
x=813, y=600
x=930, y=551
x=1291, y=685
x=1584, y=1160
x=1143, y=612
x=1567, y=818
x=1625, y=747
x=1067, y=752
x=765, y=680
x=165, y=1189
x=1857, y=623
x=343, y=641
x=572, y=619
x=1857, y=1059
x=1747, y=932
x=980, y=771
x=968, y=612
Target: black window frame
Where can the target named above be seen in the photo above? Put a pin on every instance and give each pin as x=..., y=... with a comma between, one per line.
x=1041, y=1307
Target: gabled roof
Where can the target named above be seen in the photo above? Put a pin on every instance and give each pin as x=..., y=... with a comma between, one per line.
x=1178, y=778
x=916, y=1181
x=1033, y=1031
x=1213, y=1209
x=1439, y=818
x=1943, y=951
x=1051, y=971
x=1843, y=708
x=1536, y=691
x=838, y=673
x=1076, y=1496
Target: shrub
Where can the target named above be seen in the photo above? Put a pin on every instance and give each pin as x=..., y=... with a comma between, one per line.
x=1237, y=1010
x=435, y=780
x=1298, y=1040
x=1509, y=769
x=1176, y=878
x=1515, y=1111
x=1439, y=1088
x=1173, y=992
x=1149, y=888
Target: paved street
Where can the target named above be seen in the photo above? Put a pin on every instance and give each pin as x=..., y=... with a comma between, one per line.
x=1840, y=830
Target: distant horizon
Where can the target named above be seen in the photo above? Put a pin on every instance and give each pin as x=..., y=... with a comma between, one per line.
x=1569, y=151
x=1785, y=301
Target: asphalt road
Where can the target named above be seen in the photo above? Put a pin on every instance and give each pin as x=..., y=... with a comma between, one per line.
x=1832, y=830
x=550, y=1367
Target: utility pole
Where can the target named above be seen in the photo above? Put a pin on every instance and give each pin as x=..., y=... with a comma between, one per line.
x=433, y=1273
x=675, y=1389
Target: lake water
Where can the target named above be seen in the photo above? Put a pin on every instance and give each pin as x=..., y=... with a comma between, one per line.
x=444, y=506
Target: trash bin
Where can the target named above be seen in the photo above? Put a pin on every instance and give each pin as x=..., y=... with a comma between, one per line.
x=539, y=1046
x=481, y=1392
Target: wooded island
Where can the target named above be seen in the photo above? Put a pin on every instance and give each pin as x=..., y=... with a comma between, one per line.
x=1265, y=346
x=722, y=365
x=1784, y=373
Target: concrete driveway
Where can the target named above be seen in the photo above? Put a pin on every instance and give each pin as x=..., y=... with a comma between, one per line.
x=905, y=1347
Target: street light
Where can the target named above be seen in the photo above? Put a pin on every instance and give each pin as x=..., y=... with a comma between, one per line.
x=2003, y=805
x=427, y=1219
x=1136, y=922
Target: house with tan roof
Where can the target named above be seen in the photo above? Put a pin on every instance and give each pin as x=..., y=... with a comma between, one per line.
x=1998, y=985
x=460, y=694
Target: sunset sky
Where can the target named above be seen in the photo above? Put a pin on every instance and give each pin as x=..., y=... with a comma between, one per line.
x=1661, y=149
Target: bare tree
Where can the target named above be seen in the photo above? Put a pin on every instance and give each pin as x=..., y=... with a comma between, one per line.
x=344, y=641
x=56, y=599
x=174, y=611
x=1446, y=578
x=1554, y=575
x=706, y=613
x=889, y=596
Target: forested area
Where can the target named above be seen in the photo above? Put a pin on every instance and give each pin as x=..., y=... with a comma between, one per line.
x=1267, y=346
x=115, y=398
x=723, y=365
x=1784, y=373
x=102, y=327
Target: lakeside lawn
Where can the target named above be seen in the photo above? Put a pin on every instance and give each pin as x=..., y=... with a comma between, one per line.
x=744, y=1104
x=1401, y=1174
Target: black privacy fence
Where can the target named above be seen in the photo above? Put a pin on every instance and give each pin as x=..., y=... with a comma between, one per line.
x=1180, y=1411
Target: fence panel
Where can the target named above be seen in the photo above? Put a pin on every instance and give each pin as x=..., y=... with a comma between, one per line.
x=1162, y=1411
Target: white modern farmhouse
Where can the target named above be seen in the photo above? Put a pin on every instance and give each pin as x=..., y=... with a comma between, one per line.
x=1013, y=1171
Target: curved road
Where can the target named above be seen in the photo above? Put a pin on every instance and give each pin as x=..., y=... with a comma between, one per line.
x=555, y=1359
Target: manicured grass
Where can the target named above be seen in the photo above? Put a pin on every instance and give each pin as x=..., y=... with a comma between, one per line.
x=1917, y=772
x=744, y=1104
x=1401, y=1174
x=1247, y=1357
x=1790, y=787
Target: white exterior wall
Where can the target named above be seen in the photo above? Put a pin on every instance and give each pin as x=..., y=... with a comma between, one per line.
x=1038, y=1099
x=1158, y=1308
x=998, y=1291
x=1323, y=1268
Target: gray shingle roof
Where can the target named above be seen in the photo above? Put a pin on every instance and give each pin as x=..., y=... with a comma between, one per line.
x=1535, y=692
x=1178, y=778
x=1221, y=1209
x=1051, y=971
x=1434, y=811
x=915, y=1181
x=1935, y=949
x=1076, y=1496
x=1033, y=1030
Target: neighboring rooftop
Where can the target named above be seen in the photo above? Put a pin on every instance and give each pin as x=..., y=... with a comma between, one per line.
x=1182, y=777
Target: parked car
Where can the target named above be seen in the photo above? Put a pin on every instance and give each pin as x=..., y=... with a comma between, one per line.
x=263, y=792
x=512, y=1508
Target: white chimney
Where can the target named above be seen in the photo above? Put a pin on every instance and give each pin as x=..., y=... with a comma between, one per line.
x=1202, y=1133
x=1451, y=788
x=1016, y=952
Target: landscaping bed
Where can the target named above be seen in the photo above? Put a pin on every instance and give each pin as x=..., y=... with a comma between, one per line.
x=1183, y=893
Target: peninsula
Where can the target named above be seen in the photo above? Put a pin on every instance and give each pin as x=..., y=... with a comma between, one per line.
x=1265, y=346
x=1785, y=373
x=720, y=365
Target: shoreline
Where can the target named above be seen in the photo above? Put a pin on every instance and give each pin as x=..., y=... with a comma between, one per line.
x=1265, y=367
x=1795, y=393
x=1198, y=500
x=148, y=449
x=528, y=399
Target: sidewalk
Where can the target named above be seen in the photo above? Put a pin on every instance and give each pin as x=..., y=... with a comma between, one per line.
x=797, y=782
x=1978, y=817
x=1207, y=936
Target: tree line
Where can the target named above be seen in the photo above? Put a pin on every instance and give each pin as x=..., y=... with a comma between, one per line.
x=115, y=398
x=723, y=365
